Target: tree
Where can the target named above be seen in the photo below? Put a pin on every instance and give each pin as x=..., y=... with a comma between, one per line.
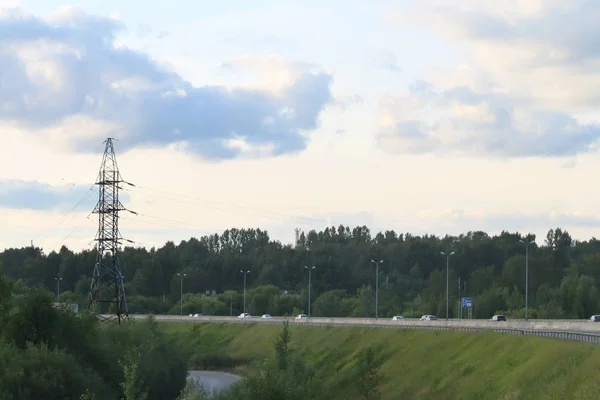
x=368, y=375
x=282, y=346
x=412, y=278
x=133, y=383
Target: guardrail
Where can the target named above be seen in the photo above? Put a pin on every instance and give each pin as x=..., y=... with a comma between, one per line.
x=580, y=330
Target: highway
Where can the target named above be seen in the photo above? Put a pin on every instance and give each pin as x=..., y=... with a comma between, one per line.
x=581, y=330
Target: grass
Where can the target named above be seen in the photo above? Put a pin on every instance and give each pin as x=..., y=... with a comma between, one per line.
x=417, y=364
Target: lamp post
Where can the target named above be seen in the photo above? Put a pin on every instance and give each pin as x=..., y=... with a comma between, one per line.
x=181, y=296
x=57, y=279
x=527, y=243
x=447, y=278
x=245, y=273
x=376, y=285
x=309, y=270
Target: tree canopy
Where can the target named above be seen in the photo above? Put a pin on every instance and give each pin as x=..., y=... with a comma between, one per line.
x=564, y=274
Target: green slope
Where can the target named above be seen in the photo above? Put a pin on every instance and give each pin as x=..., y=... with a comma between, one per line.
x=418, y=364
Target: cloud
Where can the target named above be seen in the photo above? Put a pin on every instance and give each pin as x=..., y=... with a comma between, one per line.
x=462, y=121
x=535, y=28
x=66, y=67
x=523, y=88
x=144, y=30
x=513, y=220
x=386, y=60
x=37, y=196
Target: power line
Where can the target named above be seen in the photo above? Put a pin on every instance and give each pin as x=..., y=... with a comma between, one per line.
x=242, y=209
x=76, y=229
x=66, y=215
x=192, y=226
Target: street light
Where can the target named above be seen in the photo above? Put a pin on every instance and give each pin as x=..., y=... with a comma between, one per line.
x=181, y=297
x=57, y=279
x=309, y=269
x=526, y=276
x=376, y=285
x=447, y=278
x=244, y=272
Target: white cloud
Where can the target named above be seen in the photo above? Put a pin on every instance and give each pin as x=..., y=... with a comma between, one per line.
x=524, y=86
x=500, y=103
x=68, y=64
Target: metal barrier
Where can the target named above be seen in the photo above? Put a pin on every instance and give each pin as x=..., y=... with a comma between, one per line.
x=583, y=331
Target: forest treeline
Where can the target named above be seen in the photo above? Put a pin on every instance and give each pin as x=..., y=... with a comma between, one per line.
x=564, y=274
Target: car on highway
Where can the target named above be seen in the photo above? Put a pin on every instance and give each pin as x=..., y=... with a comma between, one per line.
x=397, y=318
x=595, y=318
x=499, y=318
x=266, y=316
x=245, y=315
x=429, y=318
x=302, y=316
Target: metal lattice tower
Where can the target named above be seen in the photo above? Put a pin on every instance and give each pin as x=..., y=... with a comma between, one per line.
x=107, y=292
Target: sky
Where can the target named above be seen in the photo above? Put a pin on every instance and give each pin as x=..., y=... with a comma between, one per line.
x=425, y=116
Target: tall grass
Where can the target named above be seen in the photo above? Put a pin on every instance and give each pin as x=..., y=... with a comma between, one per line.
x=417, y=364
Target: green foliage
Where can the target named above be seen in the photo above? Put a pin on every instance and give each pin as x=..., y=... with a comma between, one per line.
x=133, y=383
x=194, y=391
x=45, y=351
x=564, y=278
x=416, y=364
x=37, y=371
x=87, y=395
x=282, y=346
x=368, y=374
x=207, y=351
x=35, y=321
x=290, y=377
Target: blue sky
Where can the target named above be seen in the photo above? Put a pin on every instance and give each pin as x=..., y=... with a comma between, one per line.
x=419, y=116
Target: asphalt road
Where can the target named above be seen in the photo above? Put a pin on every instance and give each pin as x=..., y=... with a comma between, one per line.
x=213, y=380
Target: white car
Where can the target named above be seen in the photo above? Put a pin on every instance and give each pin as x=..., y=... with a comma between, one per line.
x=198, y=315
x=428, y=318
x=398, y=318
x=266, y=316
x=302, y=316
x=244, y=315
x=595, y=318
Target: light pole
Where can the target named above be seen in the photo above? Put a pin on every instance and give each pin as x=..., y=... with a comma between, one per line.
x=245, y=273
x=181, y=296
x=376, y=285
x=447, y=278
x=526, y=243
x=57, y=279
x=309, y=269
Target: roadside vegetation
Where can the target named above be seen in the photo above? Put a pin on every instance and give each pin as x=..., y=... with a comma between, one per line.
x=48, y=353
x=396, y=364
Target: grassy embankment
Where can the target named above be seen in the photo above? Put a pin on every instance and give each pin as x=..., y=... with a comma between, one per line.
x=417, y=364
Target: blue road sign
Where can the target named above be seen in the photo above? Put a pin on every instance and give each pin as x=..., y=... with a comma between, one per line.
x=466, y=302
